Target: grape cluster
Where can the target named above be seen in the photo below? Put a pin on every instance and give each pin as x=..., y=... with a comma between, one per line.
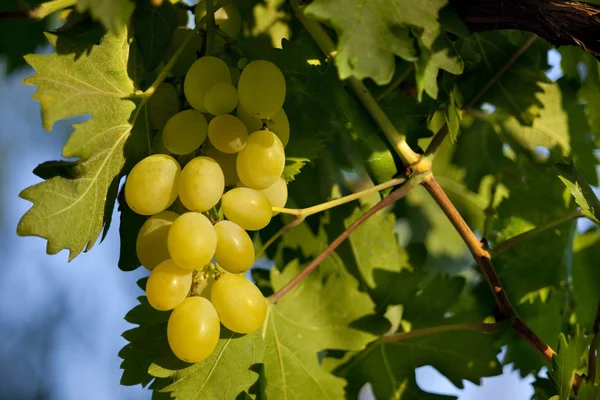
x=230, y=142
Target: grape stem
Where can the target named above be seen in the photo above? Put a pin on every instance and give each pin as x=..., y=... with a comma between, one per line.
x=302, y=213
x=396, y=195
x=478, y=326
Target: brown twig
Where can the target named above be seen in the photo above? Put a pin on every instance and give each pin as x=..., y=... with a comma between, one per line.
x=392, y=198
x=479, y=327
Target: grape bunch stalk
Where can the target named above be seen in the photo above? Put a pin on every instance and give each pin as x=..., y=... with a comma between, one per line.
x=196, y=243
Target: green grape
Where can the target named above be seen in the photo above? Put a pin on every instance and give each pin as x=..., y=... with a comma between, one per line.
x=261, y=162
x=182, y=16
x=227, y=163
x=152, y=184
x=227, y=133
x=227, y=18
x=277, y=193
x=193, y=329
x=239, y=303
x=247, y=207
x=235, y=75
x=158, y=145
x=189, y=53
x=261, y=89
x=201, y=184
x=235, y=250
x=151, y=243
x=192, y=240
x=202, y=75
x=162, y=105
x=221, y=99
x=185, y=132
x=168, y=285
x=278, y=124
x=242, y=62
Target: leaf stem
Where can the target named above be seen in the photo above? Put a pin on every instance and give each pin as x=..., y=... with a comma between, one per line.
x=467, y=326
x=396, y=139
x=507, y=244
x=50, y=7
x=483, y=259
x=393, y=197
x=441, y=135
x=305, y=212
x=395, y=83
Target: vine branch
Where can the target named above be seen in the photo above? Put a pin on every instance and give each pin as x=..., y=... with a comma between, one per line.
x=391, y=199
x=478, y=326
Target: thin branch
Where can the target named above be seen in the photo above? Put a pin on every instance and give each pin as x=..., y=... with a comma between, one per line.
x=489, y=210
x=288, y=227
x=391, y=199
x=14, y=14
x=396, y=82
x=507, y=244
x=441, y=135
x=396, y=139
x=305, y=212
x=479, y=327
x=483, y=259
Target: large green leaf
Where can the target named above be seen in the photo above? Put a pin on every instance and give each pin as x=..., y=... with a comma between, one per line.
x=71, y=212
x=154, y=28
x=113, y=14
x=317, y=314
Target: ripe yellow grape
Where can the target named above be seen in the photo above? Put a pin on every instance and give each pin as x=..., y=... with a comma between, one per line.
x=152, y=184
x=227, y=162
x=261, y=89
x=151, y=242
x=277, y=193
x=202, y=75
x=201, y=184
x=168, y=285
x=221, y=99
x=248, y=208
x=227, y=18
x=235, y=250
x=193, y=329
x=261, y=162
x=189, y=53
x=227, y=133
x=162, y=105
x=192, y=241
x=278, y=124
x=185, y=132
x=239, y=303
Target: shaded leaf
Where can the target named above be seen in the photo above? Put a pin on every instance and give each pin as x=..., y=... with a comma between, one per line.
x=113, y=14
x=154, y=27
x=570, y=356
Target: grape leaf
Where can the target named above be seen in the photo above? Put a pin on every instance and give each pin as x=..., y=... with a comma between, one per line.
x=71, y=213
x=113, y=14
x=590, y=92
x=586, y=276
x=154, y=28
x=581, y=190
x=148, y=356
x=316, y=315
x=570, y=356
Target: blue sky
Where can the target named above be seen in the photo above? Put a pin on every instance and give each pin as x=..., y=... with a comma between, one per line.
x=61, y=323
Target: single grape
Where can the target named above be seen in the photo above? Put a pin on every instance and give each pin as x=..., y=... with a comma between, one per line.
x=182, y=16
x=152, y=184
x=248, y=208
x=203, y=75
x=192, y=240
x=227, y=133
x=240, y=305
x=278, y=124
x=162, y=105
x=235, y=250
x=185, y=132
x=201, y=184
x=261, y=89
x=168, y=285
x=277, y=193
x=221, y=99
x=227, y=18
x=261, y=161
x=227, y=163
x=193, y=329
x=151, y=243
x=158, y=145
x=189, y=53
